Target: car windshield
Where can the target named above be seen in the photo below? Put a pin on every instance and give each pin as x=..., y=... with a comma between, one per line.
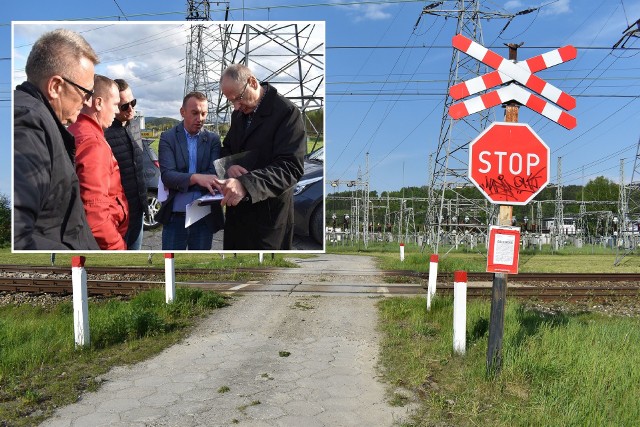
x=317, y=155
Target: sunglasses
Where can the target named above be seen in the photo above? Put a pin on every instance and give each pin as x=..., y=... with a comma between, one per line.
x=124, y=107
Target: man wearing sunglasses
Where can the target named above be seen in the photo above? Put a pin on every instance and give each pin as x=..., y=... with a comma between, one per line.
x=129, y=156
x=98, y=171
x=48, y=210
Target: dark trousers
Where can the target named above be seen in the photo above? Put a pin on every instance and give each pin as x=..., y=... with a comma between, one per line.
x=175, y=237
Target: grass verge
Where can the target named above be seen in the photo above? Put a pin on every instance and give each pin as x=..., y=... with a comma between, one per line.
x=37, y=378
x=570, y=260
x=122, y=259
x=558, y=369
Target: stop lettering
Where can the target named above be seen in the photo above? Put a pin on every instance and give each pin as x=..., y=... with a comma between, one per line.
x=509, y=163
x=515, y=162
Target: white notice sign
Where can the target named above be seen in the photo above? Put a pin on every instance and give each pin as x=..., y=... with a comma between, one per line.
x=504, y=243
x=503, y=252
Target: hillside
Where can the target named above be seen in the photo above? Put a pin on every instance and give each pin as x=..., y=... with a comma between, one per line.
x=164, y=122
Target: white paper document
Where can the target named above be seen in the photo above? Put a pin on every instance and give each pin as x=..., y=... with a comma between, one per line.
x=163, y=194
x=200, y=208
x=504, y=249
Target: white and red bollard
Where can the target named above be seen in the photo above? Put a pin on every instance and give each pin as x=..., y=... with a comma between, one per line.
x=170, y=278
x=459, y=311
x=402, y=252
x=433, y=278
x=80, y=301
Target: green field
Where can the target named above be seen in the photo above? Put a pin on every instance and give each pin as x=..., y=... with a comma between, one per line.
x=569, y=260
x=559, y=369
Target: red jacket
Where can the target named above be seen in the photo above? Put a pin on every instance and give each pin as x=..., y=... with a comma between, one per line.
x=100, y=187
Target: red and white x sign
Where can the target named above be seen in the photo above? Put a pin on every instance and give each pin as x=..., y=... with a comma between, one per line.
x=507, y=71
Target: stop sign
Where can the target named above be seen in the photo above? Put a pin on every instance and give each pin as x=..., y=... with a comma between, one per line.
x=509, y=163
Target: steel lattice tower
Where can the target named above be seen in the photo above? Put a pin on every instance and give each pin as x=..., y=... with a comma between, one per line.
x=290, y=56
x=201, y=69
x=450, y=165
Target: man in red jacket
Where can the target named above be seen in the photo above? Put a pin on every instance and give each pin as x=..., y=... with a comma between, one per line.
x=100, y=186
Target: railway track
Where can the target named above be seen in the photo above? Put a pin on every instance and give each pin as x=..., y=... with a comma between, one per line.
x=544, y=287
x=442, y=277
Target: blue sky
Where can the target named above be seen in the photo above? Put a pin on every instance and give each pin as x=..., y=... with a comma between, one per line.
x=388, y=100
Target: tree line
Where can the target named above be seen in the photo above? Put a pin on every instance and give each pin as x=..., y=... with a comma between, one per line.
x=600, y=189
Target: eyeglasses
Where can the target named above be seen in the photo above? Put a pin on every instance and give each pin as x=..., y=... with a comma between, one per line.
x=88, y=93
x=239, y=97
x=124, y=107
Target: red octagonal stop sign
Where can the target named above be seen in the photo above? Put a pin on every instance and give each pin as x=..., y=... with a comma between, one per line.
x=509, y=163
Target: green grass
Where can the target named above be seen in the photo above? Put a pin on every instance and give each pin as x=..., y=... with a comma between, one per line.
x=569, y=260
x=197, y=260
x=560, y=370
x=36, y=378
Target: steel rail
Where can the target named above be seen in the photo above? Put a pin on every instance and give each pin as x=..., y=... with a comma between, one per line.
x=128, y=287
x=442, y=277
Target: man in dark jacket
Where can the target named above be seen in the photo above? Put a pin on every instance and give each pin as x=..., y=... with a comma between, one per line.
x=48, y=211
x=258, y=194
x=129, y=156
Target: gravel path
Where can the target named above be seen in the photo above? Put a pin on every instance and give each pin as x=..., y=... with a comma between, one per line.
x=266, y=360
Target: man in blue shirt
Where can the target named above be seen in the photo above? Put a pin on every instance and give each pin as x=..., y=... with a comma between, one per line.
x=186, y=155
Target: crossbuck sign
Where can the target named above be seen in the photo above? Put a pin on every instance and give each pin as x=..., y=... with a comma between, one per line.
x=508, y=72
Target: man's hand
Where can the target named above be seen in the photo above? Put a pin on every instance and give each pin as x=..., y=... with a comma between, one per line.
x=235, y=171
x=204, y=180
x=232, y=190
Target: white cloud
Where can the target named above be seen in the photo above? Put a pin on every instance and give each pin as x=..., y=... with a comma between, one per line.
x=376, y=12
x=513, y=4
x=122, y=71
x=367, y=12
x=560, y=7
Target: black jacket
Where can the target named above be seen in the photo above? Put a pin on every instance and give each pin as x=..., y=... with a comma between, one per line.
x=48, y=210
x=276, y=141
x=129, y=156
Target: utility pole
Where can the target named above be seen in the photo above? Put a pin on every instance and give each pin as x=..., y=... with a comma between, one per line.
x=623, y=225
x=499, y=288
x=366, y=202
x=559, y=217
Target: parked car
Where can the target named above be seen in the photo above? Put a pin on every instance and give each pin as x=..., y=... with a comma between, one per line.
x=308, y=198
x=151, y=169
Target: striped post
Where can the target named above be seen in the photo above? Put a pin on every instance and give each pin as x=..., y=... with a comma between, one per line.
x=433, y=277
x=459, y=311
x=402, y=252
x=170, y=278
x=80, y=301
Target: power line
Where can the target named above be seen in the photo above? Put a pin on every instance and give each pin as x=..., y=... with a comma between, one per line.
x=120, y=9
x=243, y=9
x=337, y=47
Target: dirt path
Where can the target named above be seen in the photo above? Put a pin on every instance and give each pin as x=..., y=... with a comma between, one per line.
x=267, y=360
